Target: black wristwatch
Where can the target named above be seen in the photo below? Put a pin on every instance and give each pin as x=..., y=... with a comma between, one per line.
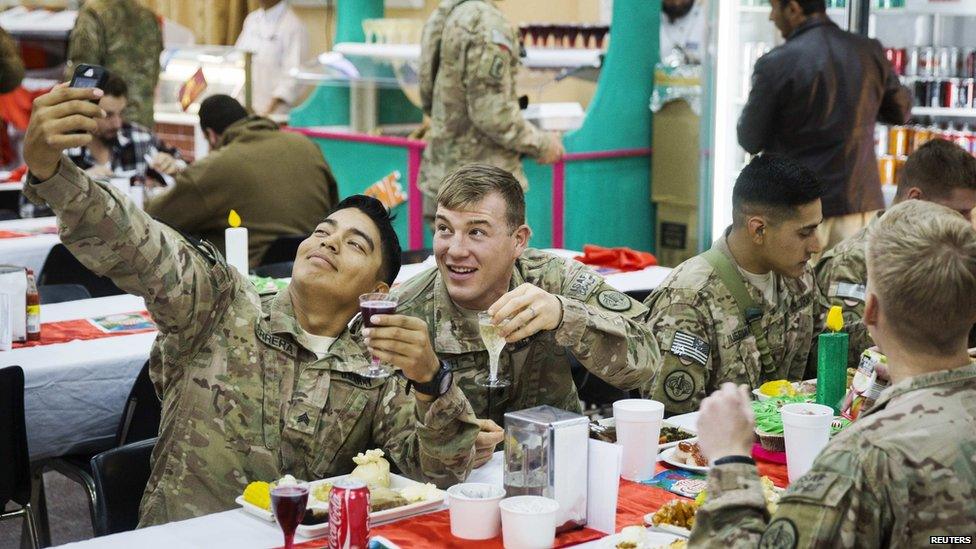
x=438, y=386
x=734, y=459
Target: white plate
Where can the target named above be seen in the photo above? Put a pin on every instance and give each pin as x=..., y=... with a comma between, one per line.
x=397, y=483
x=609, y=422
x=668, y=528
x=667, y=456
x=796, y=386
x=652, y=539
x=688, y=422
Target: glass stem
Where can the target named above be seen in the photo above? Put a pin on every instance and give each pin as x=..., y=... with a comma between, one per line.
x=289, y=540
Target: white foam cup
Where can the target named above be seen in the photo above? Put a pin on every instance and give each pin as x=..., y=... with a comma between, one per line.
x=474, y=510
x=806, y=428
x=528, y=522
x=638, y=423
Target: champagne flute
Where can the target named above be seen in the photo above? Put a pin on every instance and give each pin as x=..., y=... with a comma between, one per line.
x=376, y=304
x=288, y=505
x=494, y=343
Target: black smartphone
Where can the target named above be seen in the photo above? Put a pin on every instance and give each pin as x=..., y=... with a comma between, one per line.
x=88, y=76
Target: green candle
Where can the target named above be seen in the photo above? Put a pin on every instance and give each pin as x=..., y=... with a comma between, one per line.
x=832, y=369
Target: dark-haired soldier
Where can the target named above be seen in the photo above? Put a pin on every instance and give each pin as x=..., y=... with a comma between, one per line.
x=941, y=172
x=253, y=385
x=742, y=312
x=277, y=181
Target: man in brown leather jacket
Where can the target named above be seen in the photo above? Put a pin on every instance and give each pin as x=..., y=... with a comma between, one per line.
x=816, y=98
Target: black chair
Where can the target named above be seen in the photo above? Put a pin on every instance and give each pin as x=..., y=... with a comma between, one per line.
x=283, y=249
x=275, y=270
x=15, y=474
x=409, y=257
x=59, y=293
x=61, y=267
x=120, y=476
x=140, y=421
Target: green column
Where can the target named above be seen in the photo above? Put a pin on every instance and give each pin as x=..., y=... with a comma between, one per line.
x=350, y=15
x=832, y=369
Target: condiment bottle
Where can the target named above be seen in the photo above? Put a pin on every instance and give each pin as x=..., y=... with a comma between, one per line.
x=33, y=308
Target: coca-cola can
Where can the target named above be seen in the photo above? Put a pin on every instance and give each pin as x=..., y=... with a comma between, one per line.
x=949, y=93
x=897, y=58
x=349, y=515
x=926, y=61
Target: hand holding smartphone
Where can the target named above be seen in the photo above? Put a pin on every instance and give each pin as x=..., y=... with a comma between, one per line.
x=88, y=76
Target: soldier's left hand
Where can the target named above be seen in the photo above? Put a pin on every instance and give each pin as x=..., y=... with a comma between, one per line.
x=403, y=342
x=528, y=309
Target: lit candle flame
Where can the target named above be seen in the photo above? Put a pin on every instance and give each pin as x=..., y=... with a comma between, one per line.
x=233, y=219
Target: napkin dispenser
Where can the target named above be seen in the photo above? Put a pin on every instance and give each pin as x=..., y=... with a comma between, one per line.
x=545, y=455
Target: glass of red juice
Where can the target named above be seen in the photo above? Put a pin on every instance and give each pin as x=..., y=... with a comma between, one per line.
x=376, y=304
x=288, y=505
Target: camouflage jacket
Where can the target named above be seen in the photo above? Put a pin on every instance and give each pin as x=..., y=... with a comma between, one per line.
x=601, y=328
x=842, y=276
x=469, y=59
x=899, y=474
x=705, y=342
x=244, y=398
x=125, y=38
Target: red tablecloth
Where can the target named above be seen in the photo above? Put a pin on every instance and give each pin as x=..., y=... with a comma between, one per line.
x=82, y=329
x=633, y=502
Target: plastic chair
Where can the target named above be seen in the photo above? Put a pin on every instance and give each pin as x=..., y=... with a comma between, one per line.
x=15, y=475
x=140, y=421
x=61, y=267
x=120, y=477
x=59, y=293
x=275, y=270
x=283, y=249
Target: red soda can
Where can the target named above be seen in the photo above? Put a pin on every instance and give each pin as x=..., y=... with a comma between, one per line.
x=949, y=93
x=349, y=515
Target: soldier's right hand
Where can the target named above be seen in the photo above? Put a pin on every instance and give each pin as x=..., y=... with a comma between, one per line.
x=61, y=119
x=403, y=342
x=554, y=150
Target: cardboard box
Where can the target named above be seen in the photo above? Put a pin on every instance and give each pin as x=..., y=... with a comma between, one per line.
x=675, y=162
x=677, y=233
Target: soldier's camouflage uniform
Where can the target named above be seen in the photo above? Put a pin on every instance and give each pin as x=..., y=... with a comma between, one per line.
x=842, y=276
x=468, y=90
x=902, y=472
x=125, y=38
x=705, y=342
x=244, y=398
x=601, y=328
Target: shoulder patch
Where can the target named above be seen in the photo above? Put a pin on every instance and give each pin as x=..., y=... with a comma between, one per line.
x=613, y=300
x=497, y=69
x=583, y=285
x=679, y=385
x=847, y=290
x=690, y=346
x=498, y=38
x=781, y=534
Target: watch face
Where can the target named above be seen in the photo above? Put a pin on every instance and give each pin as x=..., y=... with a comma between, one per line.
x=446, y=380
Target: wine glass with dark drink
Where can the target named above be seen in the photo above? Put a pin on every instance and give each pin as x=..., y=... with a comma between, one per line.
x=288, y=505
x=376, y=304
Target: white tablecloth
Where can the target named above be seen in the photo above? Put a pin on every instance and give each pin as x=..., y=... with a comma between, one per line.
x=645, y=280
x=27, y=251
x=74, y=392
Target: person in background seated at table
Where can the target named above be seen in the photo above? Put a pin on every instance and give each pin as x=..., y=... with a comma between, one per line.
x=549, y=309
x=904, y=470
x=744, y=310
x=278, y=182
x=254, y=386
x=118, y=145
x=939, y=171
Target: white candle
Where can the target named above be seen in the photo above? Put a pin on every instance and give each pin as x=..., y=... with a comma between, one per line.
x=235, y=248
